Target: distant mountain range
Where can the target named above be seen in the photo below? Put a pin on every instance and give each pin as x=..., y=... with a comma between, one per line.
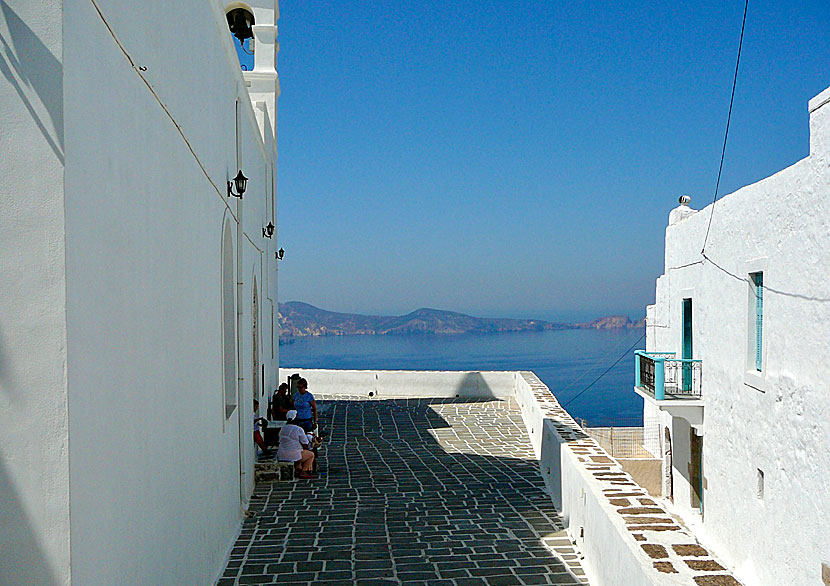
x=298, y=320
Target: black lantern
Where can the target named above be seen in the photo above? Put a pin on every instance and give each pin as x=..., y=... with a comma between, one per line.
x=241, y=182
x=268, y=230
x=279, y=254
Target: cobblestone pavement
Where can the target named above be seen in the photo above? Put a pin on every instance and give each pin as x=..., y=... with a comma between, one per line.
x=439, y=492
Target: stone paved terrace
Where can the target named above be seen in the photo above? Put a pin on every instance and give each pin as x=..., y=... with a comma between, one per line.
x=439, y=492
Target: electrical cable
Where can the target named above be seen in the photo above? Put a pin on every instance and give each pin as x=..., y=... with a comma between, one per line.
x=244, y=50
x=595, y=366
x=139, y=71
x=726, y=133
x=714, y=200
x=607, y=370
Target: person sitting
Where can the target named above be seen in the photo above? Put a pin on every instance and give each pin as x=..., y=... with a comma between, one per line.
x=294, y=444
x=281, y=403
x=305, y=405
x=260, y=424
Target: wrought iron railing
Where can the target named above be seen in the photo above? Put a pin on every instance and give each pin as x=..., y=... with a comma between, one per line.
x=661, y=374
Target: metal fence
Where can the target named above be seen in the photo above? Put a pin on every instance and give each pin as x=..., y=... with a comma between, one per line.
x=620, y=438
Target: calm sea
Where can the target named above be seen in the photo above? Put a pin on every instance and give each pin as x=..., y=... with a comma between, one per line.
x=567, y=362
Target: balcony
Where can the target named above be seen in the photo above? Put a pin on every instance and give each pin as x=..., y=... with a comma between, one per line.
x=673, y=384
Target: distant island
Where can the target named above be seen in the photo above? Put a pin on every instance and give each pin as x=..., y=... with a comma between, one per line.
x=299, y=320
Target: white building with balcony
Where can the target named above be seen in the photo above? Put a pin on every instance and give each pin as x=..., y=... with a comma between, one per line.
x=139, y=297
x=734, y=376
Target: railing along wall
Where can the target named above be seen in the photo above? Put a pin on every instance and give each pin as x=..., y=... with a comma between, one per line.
x=661, y=373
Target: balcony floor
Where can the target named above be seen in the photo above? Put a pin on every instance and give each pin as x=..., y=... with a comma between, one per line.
x=439, y=492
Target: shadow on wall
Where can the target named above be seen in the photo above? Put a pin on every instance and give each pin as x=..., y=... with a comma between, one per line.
x=475, y=385
x=26, y=62
x=7, y=379
x=22, y=558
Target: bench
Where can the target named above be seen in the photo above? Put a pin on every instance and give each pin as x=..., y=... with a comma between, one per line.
x=269, y=469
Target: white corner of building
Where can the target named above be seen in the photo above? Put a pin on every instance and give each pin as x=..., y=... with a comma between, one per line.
x=680, y=213
x=820, y=126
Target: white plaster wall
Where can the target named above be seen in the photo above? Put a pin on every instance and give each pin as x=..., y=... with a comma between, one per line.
x=406, y=383
x=34, y=473
x=600, y=531
x=156, y=496
x=531, y=414
x=610, y=556
x=776, y=422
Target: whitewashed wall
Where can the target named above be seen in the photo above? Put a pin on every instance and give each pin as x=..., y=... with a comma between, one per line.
x=34, y=463
x=111, y=369
x=610, y=554
x=406, y=383
x=777, y=422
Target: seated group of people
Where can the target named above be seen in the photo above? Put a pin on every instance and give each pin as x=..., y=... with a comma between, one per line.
x=296, y=436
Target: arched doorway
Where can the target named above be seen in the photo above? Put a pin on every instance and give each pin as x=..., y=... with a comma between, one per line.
x=668, y=483
x=255, y=379
x=228, y=322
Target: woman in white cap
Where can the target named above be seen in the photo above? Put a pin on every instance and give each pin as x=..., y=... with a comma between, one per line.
x=294, y=444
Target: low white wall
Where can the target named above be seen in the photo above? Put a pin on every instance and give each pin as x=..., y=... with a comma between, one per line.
x=569, y=486
x=580, y=477
x=610, y=555
x=406, y=383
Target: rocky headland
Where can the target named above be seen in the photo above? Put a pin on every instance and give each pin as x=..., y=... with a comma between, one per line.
x=298, y=320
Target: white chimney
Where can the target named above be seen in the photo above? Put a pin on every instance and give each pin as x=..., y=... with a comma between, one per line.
x=682, y=211
x=820, y=128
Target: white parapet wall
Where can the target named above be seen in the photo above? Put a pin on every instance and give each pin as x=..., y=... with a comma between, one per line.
x=406, y=383
x=626, y=537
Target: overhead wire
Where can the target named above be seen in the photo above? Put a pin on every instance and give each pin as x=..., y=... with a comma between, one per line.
x=606, y=371
x=726, y=132
x=711, y=213
x=139, y=71
x=596, y=365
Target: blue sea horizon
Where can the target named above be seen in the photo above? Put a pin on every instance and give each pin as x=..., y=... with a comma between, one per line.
x=567, y=361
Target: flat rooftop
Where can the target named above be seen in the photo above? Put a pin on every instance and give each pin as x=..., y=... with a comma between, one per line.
x=426, y=491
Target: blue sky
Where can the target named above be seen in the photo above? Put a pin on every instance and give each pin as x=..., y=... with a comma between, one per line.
x=520, y=158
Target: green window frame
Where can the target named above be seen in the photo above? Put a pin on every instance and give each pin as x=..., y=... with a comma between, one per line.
x=758, y=283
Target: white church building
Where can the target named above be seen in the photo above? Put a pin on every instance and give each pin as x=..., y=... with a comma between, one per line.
x=139, y=293
x=735, y=372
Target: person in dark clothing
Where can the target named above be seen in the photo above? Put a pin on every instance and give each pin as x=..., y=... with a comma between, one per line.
x=281, y=403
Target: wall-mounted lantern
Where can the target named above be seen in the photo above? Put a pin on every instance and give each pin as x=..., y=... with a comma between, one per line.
x=279, y=254
x=241, y=183
x=268, y=230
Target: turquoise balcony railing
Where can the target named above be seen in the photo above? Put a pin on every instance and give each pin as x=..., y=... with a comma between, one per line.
x=662, y=374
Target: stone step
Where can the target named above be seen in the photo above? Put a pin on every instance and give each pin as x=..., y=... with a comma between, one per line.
x=270, y=470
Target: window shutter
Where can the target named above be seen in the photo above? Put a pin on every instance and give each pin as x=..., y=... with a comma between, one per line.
x=759, y=319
